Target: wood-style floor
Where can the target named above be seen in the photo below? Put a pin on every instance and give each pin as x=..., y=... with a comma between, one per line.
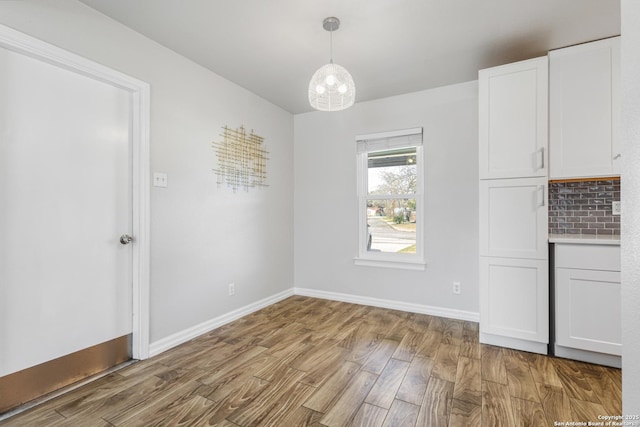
x=312, y=362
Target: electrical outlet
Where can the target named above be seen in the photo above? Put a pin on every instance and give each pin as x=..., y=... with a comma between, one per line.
x=616, y=207
x=232, y=289
x=456, y=287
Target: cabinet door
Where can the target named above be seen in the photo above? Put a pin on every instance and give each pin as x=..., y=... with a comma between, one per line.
x=584, y=110
x=514, y=298
x=514, y=218
x=513, y=120
x=587, y=308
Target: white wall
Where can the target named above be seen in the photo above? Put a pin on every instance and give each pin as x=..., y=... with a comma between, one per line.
x=631, y=207
x=203, y=237
x=325, y=230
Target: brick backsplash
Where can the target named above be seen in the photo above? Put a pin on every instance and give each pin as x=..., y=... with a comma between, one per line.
x=583, y=207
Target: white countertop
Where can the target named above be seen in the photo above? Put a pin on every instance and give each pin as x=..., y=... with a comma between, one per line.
x=585, y=239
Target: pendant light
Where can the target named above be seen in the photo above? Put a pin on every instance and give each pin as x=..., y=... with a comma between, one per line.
x=331, y=87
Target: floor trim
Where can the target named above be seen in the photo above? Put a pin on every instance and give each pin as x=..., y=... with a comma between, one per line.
x=515, y=343
x=185, y=335
x=611, y=360
x=391, y=304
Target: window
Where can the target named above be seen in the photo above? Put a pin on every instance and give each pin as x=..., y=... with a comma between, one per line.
x=390, y=205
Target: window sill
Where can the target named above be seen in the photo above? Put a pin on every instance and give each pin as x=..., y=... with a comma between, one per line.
x=403, y=265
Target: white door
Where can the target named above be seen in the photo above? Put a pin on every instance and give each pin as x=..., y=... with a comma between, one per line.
x=65, y=199
x=514, y=218
x=513, y=120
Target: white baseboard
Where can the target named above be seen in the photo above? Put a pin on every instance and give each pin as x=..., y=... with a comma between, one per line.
x=515, y=343
x=183, y=336
x=178, y=338
x=391, y=304
x=588, y=356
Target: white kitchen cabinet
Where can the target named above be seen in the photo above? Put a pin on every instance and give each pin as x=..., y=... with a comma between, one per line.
x=584, y=110
x=588, y=303
x=588, y=315
x=513, y=120
x=514, y=218
x=514, y=303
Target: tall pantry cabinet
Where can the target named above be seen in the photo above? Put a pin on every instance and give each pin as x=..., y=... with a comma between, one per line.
x=514, y=280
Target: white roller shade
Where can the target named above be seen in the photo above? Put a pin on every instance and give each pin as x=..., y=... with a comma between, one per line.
x=389, y=140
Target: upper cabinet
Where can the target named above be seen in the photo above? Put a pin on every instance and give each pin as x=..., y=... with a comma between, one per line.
x=513, y=120
x=584, y=110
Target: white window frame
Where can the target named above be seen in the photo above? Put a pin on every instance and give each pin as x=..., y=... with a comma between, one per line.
x=384, y=141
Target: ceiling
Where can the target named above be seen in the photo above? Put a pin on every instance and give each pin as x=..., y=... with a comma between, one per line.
x=391, y=47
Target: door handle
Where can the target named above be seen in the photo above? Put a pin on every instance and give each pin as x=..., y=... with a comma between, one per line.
x=125, y=239
x=541, y=162
x=542, y=202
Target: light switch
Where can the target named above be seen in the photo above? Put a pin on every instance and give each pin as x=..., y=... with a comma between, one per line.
x=159, y=179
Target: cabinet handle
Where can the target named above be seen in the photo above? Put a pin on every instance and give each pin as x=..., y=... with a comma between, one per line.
x=541, y=163
x=542, y=201
x=617, y=156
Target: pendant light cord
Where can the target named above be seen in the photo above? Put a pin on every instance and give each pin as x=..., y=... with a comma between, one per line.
x=331, y=46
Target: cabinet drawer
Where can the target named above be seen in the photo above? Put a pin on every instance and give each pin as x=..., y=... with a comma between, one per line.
x=587, y=257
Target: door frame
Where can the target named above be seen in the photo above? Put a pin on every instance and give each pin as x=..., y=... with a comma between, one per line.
x=16, y=41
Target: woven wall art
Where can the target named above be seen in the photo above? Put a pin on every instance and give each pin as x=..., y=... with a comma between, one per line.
x=242, y=160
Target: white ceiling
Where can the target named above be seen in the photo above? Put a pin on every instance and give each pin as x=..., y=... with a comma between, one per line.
x=273, y=47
